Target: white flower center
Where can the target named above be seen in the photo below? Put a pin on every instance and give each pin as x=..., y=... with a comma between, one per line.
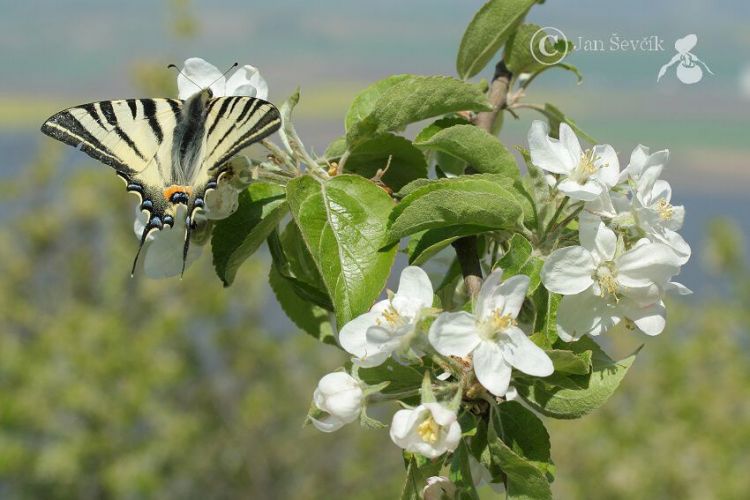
x=605, y=275
x=496, y=325
x=586, y=167
x=429, y=430
x=664, y=209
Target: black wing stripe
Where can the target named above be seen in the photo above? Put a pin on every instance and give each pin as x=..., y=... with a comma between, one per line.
x=133, y=107
x=265, y=126
x=70, y=131
x=149, y=111
x=109, y=113
x=247, y=113
x=222, y=112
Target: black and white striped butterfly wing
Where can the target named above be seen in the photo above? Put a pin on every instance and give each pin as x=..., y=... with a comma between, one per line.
x=232, y=124
x=134, y=136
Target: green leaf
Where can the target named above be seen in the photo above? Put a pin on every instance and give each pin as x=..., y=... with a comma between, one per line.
x=235, y=238
x=412, y=99
x=486, y=33
x=443, y=161
x=309, y=317
x=295, y=264
x=423, y=246
x=570, y=362
x=343, y=223
x=555, y=117
x=335, y=149
x=418, y=470
x=454, y=202
x=525, y=434
x=545, y=325
x=460, y=474
x=523, y=56
x=365, y=102
x=407, y=163
x=402, y=378
x=485, y=153
x=519, y=259
x=524, y=481
x=582, y=393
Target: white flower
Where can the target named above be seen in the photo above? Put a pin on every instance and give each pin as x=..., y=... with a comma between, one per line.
x=584, y=175
x=654, y=213
x=162, y=252
x=601, y=286
x=339, y=395
x=492, y=335
x=388, y=326
x=198, y=74
x=640, y=160
x=438, y=488
x=430, y=429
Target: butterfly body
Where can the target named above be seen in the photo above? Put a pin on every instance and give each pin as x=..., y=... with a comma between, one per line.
x=169, y=152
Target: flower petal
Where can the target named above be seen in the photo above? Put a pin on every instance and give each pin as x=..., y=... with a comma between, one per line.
x=548, y=153
x=513, y=291
x=645, y=264
x=414, y=292
x=568, y=270
x=163, y=255
x=328, y=423
x=650, y=319
x=589, y=191
x=585, y=313
x=492, y=371
x=609, y=166
x=247, y=81
x=596, y=237
x=353, y=335
x=454, y=333
x=522, y=353
x=484, y=299
x=196, y=75
x=570, y=142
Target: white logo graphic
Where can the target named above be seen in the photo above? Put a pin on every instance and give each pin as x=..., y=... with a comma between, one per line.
x=688, y=71
x=549, y=49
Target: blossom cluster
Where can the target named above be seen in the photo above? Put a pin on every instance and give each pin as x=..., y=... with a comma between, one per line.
x=627, y=255
x=629, y=246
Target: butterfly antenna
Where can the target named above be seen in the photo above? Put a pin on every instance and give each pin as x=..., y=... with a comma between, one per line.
x=170, y=66
x=144, y=235
x=225, y=73
x=188, y=230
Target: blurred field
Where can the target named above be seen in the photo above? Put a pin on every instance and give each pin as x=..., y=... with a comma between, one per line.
x=121, y=388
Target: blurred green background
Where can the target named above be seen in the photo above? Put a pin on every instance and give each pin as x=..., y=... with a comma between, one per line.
x=112, y=387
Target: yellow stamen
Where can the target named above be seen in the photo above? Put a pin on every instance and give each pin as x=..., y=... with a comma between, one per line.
x=501, y=322
x=429, y=430
x=666, y=211
x=605, y=276
x=586, y=166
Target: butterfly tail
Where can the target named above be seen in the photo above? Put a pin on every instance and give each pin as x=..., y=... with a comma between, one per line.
x=186, y=246
x=144, y=235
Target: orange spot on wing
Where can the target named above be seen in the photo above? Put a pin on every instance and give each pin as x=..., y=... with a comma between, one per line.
x=168, y=192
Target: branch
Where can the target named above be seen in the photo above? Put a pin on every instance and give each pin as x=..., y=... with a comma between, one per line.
x=466, y=248
x=498, y=95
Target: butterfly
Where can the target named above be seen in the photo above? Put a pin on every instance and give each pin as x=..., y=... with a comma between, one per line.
x=170, y=152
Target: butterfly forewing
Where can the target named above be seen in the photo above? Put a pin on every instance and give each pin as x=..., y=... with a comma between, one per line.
x=233, y=123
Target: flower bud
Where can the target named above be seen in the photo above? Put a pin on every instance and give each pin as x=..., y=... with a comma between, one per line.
x=340, y=396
